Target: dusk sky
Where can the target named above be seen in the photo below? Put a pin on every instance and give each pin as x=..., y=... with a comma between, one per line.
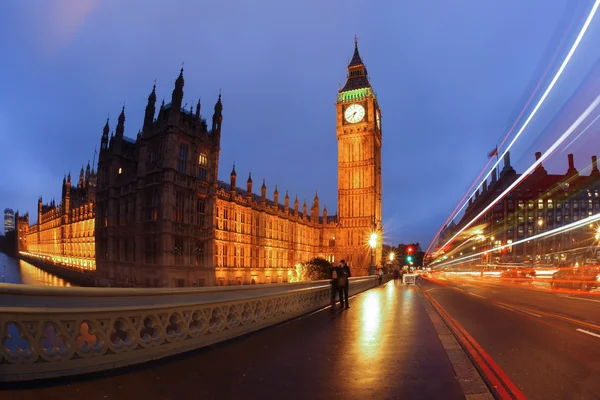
x=450, y=76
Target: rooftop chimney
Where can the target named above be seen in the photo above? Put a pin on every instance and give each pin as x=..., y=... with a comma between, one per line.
x=538, y=155
x=595, y=170
x=507, y=160
x=494, y=175
x=571, y=169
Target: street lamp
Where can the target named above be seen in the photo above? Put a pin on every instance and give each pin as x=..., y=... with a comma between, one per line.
x=373, y=244
x=392, y=255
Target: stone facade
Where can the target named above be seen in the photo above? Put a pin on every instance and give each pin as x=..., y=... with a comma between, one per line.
x=64, y=233
x=541, y=203
x=162, y=217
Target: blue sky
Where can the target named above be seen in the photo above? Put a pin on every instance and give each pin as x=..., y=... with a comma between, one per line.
x=449, y=77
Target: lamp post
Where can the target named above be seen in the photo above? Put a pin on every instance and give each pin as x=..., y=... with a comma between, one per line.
x=373, y=244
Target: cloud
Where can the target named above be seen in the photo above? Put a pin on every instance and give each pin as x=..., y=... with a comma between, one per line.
x=55, y=23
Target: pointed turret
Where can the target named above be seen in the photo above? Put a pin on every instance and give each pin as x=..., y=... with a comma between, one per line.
x=217, y=117
x=304, y=207
x=150, y=109
x=161, y=111
x=357, y=72
x=177, y=96
x=120, y=130
x=198, y=110
x=104, y=140
x=233, y=182
x=296, y=206
x=249, y=187
x=276, y=197
x=324, y=213
x=81, y=178
x=88, y=171
x=263, y=193
x=286, y=202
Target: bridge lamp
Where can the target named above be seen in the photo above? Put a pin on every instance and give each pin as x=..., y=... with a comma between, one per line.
x=392, y=255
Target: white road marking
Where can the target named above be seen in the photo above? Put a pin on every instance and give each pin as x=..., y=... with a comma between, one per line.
x=576, y=298
x=459, y=289
x=519, y=310
x=477, y=295
x=588, y=332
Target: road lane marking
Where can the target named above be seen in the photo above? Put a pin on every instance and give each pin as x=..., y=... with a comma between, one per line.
x=576, y=298
x=477, y=295
x=588, y=332
x=519, y=309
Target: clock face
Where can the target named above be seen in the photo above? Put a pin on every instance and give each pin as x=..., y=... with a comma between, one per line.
x=355, y=113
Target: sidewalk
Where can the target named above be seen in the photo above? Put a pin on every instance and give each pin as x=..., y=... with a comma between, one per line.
x=384, y=347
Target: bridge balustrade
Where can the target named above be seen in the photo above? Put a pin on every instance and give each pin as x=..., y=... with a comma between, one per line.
x=50, y=332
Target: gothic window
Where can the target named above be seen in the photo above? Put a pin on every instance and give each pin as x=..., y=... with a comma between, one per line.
x=199, y=253
x=178, y=207
x=200, y=212
x=182, y=162
x=152, y=205
x=178, y=250
x=202, y=166
x=150, y=250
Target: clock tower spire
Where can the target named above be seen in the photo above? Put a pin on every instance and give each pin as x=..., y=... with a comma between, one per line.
x=359, y=170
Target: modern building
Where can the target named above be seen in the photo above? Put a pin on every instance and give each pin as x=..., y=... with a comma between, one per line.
x=162, y=217
x=64, y=232
x=9, y=220
x=540, y=203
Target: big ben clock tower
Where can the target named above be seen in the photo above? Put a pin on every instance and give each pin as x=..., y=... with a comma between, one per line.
x=359, y=232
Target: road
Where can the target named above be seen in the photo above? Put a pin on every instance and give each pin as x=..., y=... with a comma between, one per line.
x=548, y=342
x=384, y=347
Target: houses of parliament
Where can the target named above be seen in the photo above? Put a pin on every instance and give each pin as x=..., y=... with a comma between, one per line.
x=154, y=213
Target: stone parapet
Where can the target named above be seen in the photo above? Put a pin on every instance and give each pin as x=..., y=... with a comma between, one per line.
x=51, y=332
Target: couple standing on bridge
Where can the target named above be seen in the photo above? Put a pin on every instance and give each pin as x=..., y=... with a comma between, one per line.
x=339, y=285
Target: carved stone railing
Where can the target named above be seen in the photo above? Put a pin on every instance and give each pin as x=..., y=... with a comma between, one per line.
x=50, y=332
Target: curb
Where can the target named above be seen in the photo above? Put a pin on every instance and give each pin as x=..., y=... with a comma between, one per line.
x=467, y=374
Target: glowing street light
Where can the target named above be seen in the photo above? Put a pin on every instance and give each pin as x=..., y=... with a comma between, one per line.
x=392, y=255
x=373, y=244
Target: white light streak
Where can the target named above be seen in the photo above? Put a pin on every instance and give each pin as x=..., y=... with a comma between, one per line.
x=523, y=176
x=564, y=64
x=564, y=228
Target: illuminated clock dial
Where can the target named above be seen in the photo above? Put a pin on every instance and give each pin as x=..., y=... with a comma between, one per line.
x=355, y=113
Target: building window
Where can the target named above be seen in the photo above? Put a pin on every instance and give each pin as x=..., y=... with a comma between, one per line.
x=120, y=171
x=182, y=162
x=202, y=166
x=150, y=250
x=199, y=253
x=152, y=205
x=200, y=212
x=178, y=250
x=550, y=205
x=178, y=207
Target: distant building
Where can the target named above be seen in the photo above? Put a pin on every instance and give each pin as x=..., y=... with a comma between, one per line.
x=540, y=203
x=162, y=218
x=64, y=232
x=9, y=220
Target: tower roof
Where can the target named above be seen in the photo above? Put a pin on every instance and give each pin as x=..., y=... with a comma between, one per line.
x=357, y=72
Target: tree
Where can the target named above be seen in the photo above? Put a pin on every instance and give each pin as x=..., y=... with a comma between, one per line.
x=316, y=269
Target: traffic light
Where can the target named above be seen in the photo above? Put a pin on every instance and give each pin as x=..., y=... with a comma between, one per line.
x=409, y=249
x=409, y=258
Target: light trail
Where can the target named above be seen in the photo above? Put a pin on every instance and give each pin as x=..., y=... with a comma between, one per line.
x=555, y=231
x=525, y=174
x=564, y=64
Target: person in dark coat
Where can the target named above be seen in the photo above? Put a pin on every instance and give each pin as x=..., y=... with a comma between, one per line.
x=344, y=288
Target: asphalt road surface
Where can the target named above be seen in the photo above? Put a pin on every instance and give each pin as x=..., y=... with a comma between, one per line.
x=548, y=342
x=384, y=347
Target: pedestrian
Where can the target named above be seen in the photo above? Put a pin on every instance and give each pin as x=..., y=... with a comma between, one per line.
x=345, y=283
x=380, y=273
x=334, y=286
